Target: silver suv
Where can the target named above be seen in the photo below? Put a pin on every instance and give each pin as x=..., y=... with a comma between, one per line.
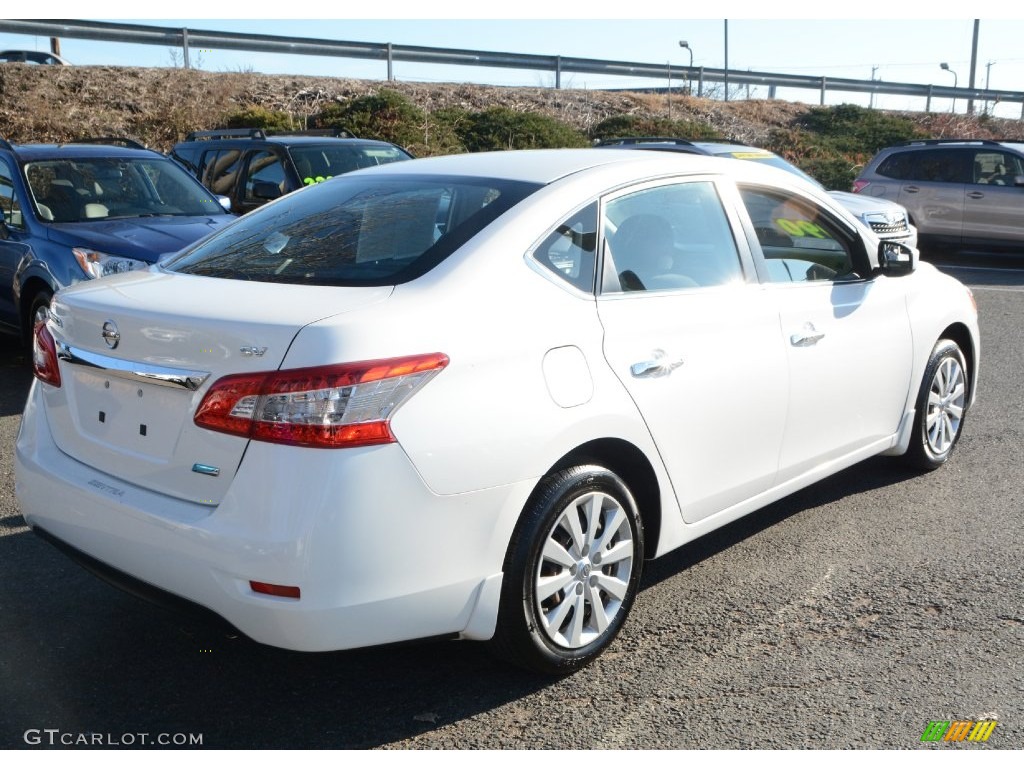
x=962, y=194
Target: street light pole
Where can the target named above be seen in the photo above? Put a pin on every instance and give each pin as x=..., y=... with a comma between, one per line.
x=726, y=59
x=689, y=81
x=988, y=73
x=945, y=66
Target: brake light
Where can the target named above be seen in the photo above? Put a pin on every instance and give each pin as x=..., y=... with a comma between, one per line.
x=859, y=184
x=331, y=406
x=44, y=355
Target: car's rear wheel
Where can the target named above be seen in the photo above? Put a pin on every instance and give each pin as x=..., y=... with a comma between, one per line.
x=571, y=572
x=941, y=407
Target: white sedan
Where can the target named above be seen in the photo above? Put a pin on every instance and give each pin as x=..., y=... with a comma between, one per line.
x=467, y=396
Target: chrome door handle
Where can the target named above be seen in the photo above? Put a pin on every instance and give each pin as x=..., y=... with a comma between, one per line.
x=808, y=336
x=652, y=369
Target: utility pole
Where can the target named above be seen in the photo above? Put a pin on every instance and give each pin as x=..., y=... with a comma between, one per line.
x=55, y=46
x=974, y=65
x=871, y=99
x=988, y=73
x=726, y=59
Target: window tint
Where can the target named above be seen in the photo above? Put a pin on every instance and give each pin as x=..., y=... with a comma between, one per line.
x=9, y=203
x=354, y=231
x=949, y=165
x=799, y=242
x=668, y=237
x=319, y=163
x=571, y=250
x=220, y=170
x=264, y=167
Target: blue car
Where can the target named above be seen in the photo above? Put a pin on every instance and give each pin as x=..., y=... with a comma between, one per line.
x=76, y=212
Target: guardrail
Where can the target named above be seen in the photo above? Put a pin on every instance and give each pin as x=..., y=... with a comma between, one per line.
x=390, y=53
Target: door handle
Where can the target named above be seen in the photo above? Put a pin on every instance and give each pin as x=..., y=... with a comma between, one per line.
x=975, y=195
x=652, y=369
x=807, y=337
x=911, y=188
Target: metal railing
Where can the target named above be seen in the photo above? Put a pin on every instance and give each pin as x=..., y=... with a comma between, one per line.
x=389, y=52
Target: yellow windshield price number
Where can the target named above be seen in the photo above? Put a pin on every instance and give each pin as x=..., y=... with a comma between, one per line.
x=801, y=228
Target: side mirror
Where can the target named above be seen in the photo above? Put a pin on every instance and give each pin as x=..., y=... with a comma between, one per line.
x=896, y=259
x=1018, y=181
x=266, y=190
x=225, y=202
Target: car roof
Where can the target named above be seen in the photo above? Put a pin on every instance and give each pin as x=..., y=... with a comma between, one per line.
x=35, y=152
x=544, y=166
x=288, y=140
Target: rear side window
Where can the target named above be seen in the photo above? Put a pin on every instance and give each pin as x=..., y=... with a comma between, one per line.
x=355, y=231
x=571, y=250
x=948, y=166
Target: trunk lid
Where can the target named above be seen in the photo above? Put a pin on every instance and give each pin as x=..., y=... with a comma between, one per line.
x=138, y=353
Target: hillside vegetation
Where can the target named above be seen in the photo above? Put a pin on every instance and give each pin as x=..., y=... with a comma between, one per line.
x=159, y=106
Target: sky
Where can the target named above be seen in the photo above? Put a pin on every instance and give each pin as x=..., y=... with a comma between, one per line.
x=904, y=43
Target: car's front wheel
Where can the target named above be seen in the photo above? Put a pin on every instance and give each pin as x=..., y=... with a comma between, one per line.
x=941, y=407
x=571, y=572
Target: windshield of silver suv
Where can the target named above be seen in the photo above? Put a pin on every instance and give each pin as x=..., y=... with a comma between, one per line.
x=85, y=189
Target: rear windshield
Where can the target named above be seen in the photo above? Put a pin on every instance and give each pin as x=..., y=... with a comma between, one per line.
x=318, y=163
x=362, y=230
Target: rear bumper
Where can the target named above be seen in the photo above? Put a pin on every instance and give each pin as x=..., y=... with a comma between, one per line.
x=378, y=557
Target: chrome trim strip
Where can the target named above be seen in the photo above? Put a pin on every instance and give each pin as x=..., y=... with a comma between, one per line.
x=132, y=371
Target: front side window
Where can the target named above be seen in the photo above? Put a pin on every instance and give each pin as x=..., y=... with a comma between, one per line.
x=999, y=168
x=355, y=231
x=800, y=241
x=265, y=170
x=83, y=189
x=9, y=203
x=667, y=238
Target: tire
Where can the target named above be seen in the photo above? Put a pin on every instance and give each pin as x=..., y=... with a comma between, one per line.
x=38, y=310
x=571, y=572
x=941, y=407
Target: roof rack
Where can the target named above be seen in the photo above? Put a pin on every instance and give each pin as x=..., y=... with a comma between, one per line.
x=227, y=133
x=130, y=143
x=930, y=142
x=630, y=140
x=338, y=133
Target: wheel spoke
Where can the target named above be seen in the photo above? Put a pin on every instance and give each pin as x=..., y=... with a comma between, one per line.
x=556, y=553
x=933, y=414
x=592, y=513
x=597, y=612
x=571, y=519
x=955, y=411
x=620, y=551
x=556, y=616
x=934, y=398
x=618, y=517
x=615, y=587
x=957, y=394
x=576, y=627
x=549, y=585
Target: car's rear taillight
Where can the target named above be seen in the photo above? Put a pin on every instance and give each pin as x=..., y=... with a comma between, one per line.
x=859, y=184
x=44, y=355
x=331, y=406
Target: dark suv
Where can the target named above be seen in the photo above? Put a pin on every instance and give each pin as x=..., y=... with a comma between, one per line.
x=74, y=212
x=963, y=194
x=252, y=166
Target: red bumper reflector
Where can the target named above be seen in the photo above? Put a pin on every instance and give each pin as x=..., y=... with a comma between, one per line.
x=276, y=590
